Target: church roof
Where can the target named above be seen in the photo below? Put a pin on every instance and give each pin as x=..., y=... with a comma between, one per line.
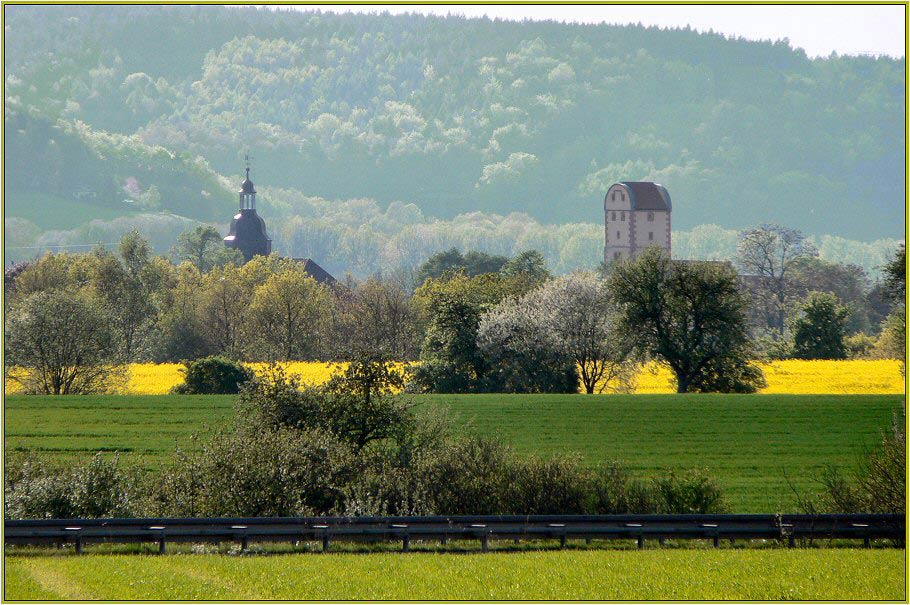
x=316, y=272
x=646, y=195
x=247, y=185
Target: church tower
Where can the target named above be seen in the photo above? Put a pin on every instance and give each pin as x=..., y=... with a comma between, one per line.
x=248, y=233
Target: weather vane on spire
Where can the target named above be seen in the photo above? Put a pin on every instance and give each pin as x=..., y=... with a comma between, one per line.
x=247, y=158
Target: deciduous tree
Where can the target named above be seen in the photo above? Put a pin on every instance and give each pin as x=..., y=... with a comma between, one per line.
x=63, y=342
x=689, y=316
x=819, y=330
x=768, y=253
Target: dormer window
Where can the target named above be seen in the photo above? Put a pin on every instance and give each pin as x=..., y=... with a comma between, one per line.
x=614, y=195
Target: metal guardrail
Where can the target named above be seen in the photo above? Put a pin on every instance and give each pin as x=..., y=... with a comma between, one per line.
x=482, y=528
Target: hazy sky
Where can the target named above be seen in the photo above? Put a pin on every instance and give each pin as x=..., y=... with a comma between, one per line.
x=818, y=29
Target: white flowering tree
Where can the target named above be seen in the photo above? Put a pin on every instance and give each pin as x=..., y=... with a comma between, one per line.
x=580, y=317
x=565, y=319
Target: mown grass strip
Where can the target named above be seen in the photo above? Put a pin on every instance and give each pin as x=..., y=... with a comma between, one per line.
x=754, y=574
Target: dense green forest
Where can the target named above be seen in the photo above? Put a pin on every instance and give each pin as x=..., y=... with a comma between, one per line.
x=378, y=140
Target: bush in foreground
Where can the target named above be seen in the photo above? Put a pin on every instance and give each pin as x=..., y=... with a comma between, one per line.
x=878, y=485
x=34, y=489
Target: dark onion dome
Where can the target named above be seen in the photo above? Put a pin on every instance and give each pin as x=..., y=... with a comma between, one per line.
x=248, y=234
x=247, y=185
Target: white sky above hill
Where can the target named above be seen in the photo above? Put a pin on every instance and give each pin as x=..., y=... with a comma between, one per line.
x=818, y=29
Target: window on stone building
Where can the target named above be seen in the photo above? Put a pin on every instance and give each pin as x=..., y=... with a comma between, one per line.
x=614, y=215
x=650, y=217
x=616, y=256
x=650, y=236
x=622, y=216
x=617, y=235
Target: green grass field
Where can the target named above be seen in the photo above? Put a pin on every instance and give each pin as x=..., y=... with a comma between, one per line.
x=751, y=444
x=753, y=574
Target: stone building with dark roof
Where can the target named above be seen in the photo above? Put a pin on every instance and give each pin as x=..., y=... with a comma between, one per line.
x=249, y=235
x=637, y=216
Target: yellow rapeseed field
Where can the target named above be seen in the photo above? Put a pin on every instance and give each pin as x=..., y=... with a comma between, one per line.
x=159, y=378
x=797, y=376
x=789, y=376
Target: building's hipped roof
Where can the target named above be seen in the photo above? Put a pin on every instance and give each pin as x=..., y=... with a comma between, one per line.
x=648, y=196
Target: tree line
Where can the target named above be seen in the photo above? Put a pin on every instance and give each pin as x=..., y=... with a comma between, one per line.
x=475, y=321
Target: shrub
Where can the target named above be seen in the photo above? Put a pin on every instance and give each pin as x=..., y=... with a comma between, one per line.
x=36, y=490
x=356, y=404
x=465, y=477
x=729, y=375
x=556, y=486
x=859, y=346
x=212, y=375
x=386, y=489
x=692, y=492
x=878, y=485
x=617, y=492
x=268, y=473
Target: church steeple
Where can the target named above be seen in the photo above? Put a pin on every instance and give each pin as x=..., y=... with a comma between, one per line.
x=247, y=190
x=248, y=233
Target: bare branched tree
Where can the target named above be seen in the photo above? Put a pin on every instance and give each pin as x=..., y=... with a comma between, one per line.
x=768, y=253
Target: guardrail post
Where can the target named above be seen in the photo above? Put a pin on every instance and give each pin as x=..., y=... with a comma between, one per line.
x=406, y=543
x=326, y=542
x=641, y=540
x=78, y=545
x=562, y=540
x=162, y=549
x=791, y=541
x=716, y=540
x=485, y=542
x=661, y=540
x=867, y=542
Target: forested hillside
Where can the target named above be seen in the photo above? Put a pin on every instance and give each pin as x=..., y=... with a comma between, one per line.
x=448, y=114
